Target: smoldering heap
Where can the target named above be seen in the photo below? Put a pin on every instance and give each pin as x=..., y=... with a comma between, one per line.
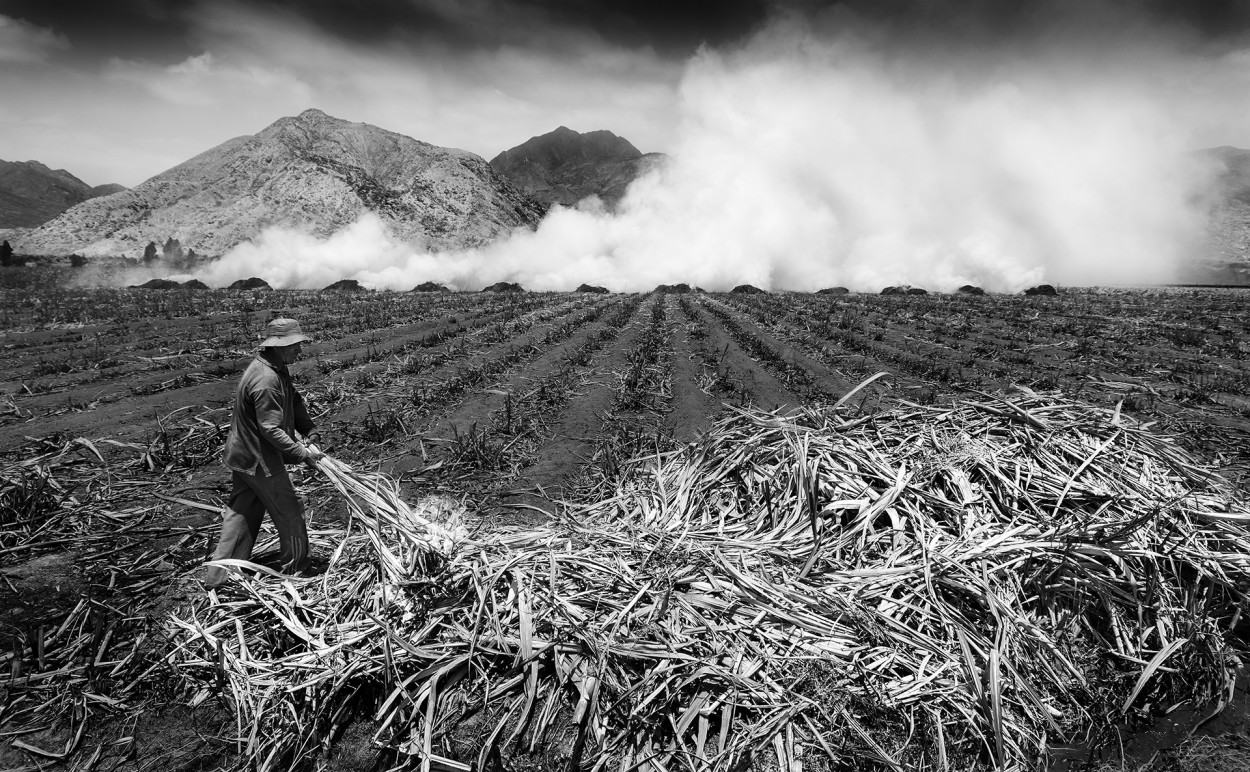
x=928, y=587
x=504, y=286
x=346, y=285
x=250, y=283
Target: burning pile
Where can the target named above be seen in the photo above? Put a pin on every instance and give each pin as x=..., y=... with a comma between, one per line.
x=924, y=588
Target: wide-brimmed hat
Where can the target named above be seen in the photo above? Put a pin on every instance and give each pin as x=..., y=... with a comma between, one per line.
x=282, y=332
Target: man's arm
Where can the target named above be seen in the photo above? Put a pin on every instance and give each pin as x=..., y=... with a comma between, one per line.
x=303, y=422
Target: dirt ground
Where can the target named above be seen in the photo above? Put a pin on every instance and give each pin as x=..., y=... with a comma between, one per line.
x=114, y=405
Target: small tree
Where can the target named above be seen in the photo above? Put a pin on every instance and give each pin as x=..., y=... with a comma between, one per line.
x=6, y=254
x=77, y=261
x=172, y=249
x=149, y=252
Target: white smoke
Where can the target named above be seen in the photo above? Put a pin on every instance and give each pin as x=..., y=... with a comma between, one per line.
x=806, y=160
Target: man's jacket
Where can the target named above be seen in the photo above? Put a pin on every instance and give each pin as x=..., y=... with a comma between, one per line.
x=267, y=413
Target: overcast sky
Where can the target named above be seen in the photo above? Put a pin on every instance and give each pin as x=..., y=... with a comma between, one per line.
x=118, y=91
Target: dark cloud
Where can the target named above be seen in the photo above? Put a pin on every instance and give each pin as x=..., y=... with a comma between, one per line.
x=669, y=27
x=158, y=30
x=1214, y=19
x=370, y=21
x=165, y=32
x=140, y=29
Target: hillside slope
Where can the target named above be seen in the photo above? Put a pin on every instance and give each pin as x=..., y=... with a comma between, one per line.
x=31, y=193
x=311, y=172
x=565, y=166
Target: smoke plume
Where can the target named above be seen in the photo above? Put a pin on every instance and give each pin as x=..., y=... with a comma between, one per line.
x=832, y=153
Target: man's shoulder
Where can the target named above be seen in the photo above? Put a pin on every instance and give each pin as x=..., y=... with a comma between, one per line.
x=258, y=373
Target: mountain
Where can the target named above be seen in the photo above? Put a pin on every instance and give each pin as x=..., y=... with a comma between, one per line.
x=310, y=172
x=565, y=166
x=32, y=194
x=107, y=189
x=1229, y=207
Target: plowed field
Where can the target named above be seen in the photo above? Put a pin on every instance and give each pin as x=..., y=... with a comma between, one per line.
x=502, y=394
x=505, y=402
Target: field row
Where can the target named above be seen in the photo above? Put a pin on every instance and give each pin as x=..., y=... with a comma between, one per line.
x=528, y=394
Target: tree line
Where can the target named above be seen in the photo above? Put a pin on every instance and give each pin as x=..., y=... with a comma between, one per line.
x=172, y=252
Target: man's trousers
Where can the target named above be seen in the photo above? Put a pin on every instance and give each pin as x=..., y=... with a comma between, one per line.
x=250, y=498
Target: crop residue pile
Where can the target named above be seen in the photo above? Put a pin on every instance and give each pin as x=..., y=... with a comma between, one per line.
x=929, y=587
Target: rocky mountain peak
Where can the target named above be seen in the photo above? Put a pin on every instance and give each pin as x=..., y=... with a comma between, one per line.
x=311, y=120
x=565, y=166
x=565, y=146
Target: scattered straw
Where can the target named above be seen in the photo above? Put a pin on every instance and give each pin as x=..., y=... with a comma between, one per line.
x=931, y=588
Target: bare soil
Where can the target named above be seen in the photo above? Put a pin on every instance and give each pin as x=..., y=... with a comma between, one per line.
x=509, y=402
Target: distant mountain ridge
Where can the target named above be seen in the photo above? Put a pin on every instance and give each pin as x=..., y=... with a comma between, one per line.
x=1229, y=207
x=310, y=172
x=565, y=166
x=31, y=193
x=319, y=174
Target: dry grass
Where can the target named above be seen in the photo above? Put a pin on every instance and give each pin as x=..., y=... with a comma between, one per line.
x=928, y=588
x=1222, y=753
x=1228, y=753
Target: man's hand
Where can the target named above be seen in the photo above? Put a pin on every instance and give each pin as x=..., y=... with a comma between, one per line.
x=314, y=455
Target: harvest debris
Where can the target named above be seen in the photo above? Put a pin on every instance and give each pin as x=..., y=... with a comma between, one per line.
x=924, y=587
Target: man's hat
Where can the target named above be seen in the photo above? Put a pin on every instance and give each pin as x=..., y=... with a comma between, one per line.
x=282, y=332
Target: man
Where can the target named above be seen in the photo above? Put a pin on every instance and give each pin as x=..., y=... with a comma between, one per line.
x=268, y=412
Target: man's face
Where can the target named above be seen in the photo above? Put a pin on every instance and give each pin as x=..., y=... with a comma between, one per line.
x=288, y=354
